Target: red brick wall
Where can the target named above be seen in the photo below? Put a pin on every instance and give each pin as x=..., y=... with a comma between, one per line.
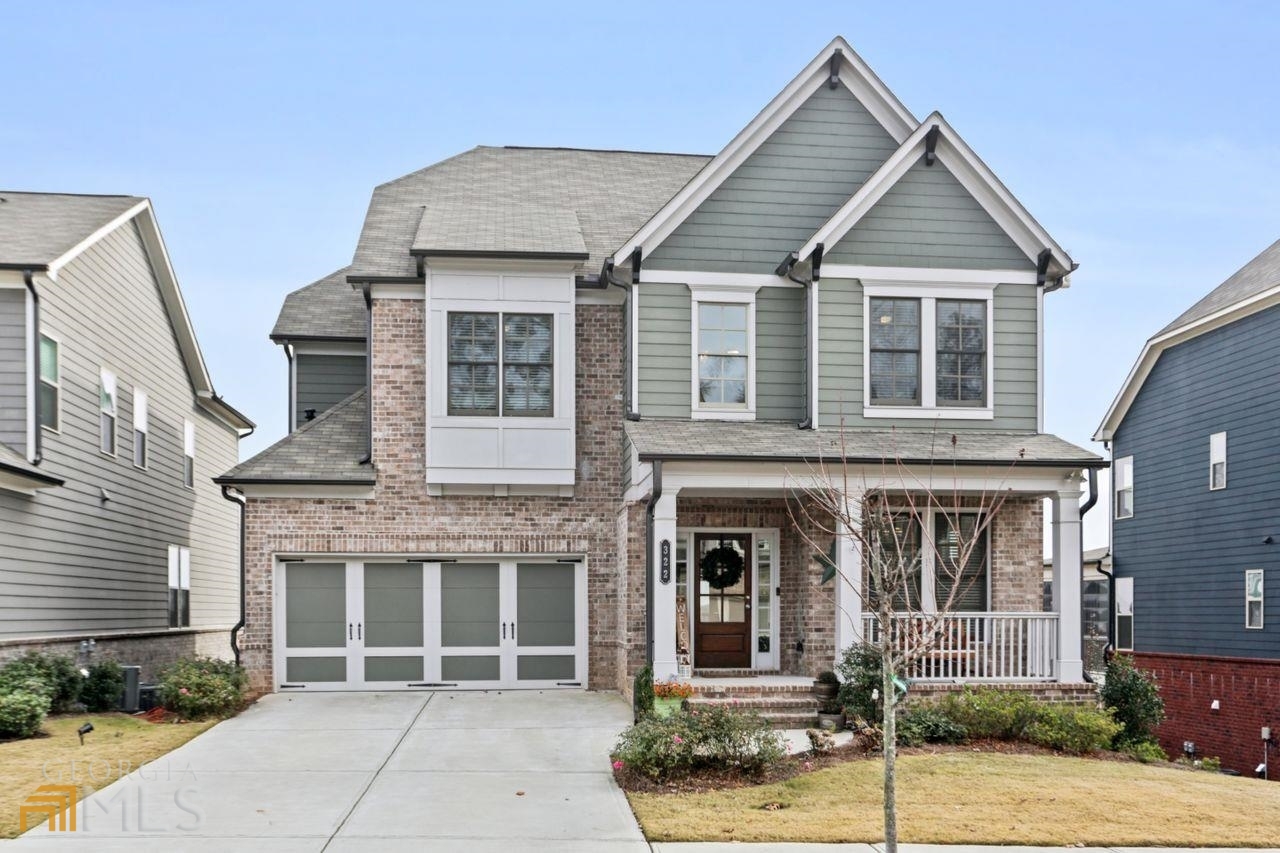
x=403, y=518
x=1248, y=694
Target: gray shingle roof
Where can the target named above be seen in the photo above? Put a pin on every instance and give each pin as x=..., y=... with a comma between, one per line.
x=494, y=226
x=610, y=193
x=1261, y=273
x=670, y=439
x=39, y=228
x=328, y=308
x=327, y=450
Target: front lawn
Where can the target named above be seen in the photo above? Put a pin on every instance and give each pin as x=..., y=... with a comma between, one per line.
x=968, y=797
x=118, y=744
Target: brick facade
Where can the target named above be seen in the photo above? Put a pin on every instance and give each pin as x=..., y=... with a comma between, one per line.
x=152, y=651
x=1248, y=696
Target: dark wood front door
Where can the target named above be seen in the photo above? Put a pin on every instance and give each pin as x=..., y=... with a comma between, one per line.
x=722, y=616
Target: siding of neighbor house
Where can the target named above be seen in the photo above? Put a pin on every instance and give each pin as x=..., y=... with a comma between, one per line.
x=1187, y=547
x=783, y=192
x=928, y=219
x=73, y=560
x=13, y=368
x=840, y=356
x=325, y=380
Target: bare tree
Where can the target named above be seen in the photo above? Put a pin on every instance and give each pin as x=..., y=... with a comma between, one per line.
x=887, y=520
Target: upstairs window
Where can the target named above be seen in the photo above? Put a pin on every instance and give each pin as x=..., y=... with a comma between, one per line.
x=1122, y=471
x=188, y=454
x=50, y=383
x=139, y=428
x=522, y=355
x=722, y=355
x=107, y=407
x=179, y=587
x=1253, y=599
x=895, y=352
x=962, y=353
x=1218, y=461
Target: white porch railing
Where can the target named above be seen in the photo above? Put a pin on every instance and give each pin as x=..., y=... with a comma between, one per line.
x=990, y=647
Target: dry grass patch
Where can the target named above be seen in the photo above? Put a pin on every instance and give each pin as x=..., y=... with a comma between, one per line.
x=118, y=743
x=971, y=798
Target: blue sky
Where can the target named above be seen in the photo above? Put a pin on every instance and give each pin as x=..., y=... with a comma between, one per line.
x=1144, y=136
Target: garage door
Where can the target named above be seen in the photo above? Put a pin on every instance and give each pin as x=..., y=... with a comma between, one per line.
x=362, y=625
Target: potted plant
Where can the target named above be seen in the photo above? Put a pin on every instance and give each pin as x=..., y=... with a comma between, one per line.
x=826, y=685
x=831, y=716
x=668, y=696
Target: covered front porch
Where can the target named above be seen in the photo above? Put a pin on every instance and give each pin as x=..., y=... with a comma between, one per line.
x=737, y=595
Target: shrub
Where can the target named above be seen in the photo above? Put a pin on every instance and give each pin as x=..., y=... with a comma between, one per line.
x=928, y=724
x=642, y=691
x=1213, y=764
x=1068, y=728
x=860, y=672
x=1147, y=751
x=820, y=741
x=101, y=690
x=54, y=676
x=202, y=687
x=672, y=690
x=713, y=738
x=21, y=713
x=991, y=713
x=1134, y=699
x=828, y=677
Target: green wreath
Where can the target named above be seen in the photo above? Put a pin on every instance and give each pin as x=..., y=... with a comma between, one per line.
x=721, y=567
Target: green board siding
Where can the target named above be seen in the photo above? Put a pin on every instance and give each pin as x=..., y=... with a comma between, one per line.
x=325, y=380
x=928, y=219
x=840, y=360
x=780, y=353
x=666, y=348
x=783, y=192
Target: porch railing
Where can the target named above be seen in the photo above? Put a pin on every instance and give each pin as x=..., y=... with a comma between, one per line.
x=989, y=647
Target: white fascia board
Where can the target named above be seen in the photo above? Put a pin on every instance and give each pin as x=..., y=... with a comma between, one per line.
x=359, y=492
x=928, y=275
x=715, y=279
x=854, y=75
x=79, y=248
x=968, y=168
x=397, y=290
x=1153, y=348
x=328, y=348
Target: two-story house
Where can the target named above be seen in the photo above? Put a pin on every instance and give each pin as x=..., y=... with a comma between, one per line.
x=587, y=370
x=113, y=537
x=1194, y=531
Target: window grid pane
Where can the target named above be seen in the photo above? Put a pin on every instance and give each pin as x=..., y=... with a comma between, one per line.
x=895, y=351
x=722, y=354
x=473, y=364
x=528, y=378
x=962, y=353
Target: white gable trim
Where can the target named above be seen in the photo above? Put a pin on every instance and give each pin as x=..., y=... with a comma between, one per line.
x=972, y=174
x=79, y=248
x=1153, y=348
x=855, y=75
x=928, y=275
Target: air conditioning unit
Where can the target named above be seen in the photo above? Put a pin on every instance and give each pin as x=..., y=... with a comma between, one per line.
x=132, y=680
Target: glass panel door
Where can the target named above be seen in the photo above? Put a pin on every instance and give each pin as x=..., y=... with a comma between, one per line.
x=471, y=625
x=545, y=627
x=391, y=625
x=315, y=625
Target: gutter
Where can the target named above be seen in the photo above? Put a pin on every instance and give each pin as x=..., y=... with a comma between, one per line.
x=37, y=450
x=1075, y=464
x=787, y=268
x=654, y=495
x=607, y=276
x=368, y=374
x=239, y=626
x=291, y=420
x=38, y=476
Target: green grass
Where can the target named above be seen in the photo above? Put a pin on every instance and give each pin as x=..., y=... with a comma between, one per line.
x=117, y=743
x=982, y=798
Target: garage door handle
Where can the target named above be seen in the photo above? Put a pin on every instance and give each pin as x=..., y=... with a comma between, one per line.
x=349, y=635
x=504, y=630
x=359, y=630
x=513, y=630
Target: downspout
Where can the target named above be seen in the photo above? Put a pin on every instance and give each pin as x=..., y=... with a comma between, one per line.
x=28, y=278
x=368, y=375
x=607, y=276
x=787, y=268
x=654, y=495
x=239, y=626
x=1084, y=510
x=290, y=420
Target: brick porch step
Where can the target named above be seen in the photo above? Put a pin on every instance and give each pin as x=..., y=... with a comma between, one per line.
x=784, y=707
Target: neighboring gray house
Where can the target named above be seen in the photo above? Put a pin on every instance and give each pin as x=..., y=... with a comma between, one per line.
x=113, y=537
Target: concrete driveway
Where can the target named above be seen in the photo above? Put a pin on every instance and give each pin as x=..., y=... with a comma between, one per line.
x=388, y=772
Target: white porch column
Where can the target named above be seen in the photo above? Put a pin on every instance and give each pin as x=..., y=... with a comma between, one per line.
x=1067, y=570
x=848, y=601
x=662, y=596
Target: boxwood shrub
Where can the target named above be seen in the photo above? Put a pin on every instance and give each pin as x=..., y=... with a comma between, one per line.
x=197, y=688
x=21, y=713
x=664, y=748
x=53, y=676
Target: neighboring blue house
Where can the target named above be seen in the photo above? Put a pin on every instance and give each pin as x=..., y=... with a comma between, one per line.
x=1196, y=516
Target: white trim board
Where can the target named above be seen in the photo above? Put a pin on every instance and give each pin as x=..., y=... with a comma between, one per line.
x=854, y=74
x=968, y=169
x=1152, y=349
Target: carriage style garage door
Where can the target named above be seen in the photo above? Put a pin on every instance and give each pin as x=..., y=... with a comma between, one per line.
x=379, y=625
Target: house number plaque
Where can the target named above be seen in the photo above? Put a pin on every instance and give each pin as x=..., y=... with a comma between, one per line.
x=664, y=571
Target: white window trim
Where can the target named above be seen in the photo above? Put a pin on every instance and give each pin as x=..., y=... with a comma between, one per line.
x=928, y=293
x=141, y=424
x=1123, y=585
x=188, y=451
x=1115, y=487
x=724, y=294
x=1248, y=599
x=40, y=380
x=1215, y=458
x=502, y=314
x=103, y=373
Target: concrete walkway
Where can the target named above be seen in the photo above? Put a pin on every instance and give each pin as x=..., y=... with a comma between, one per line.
x=384, y=772
x=734, y=847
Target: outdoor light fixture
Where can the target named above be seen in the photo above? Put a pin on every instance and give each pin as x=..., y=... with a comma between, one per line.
x=84, y=730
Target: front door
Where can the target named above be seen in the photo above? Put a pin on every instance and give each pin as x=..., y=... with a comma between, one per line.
x=722, y=614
